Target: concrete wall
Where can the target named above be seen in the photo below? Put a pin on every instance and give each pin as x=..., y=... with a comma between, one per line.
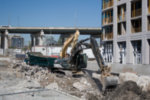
x=139, y=69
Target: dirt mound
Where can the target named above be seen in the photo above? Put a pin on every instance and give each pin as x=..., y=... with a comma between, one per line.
x=128, y=91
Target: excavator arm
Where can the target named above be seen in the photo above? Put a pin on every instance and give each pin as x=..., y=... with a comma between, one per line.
x=72, y=38
x=105, y=70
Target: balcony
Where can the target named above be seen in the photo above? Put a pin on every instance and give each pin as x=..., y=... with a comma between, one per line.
x=136, y=30
x=107, y=4
x=107, y=20
x=136, y=25
x=136, y=8
x=109, y=36
x=136, y=13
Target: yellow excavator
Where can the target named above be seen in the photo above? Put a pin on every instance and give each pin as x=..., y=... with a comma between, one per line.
x=72, y=39
x=78, y=60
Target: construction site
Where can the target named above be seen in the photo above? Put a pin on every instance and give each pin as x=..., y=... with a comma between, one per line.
x=111, y=63
x=70, y=76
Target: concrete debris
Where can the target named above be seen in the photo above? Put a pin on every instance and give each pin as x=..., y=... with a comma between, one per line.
x=31, y=72
x=85, y=82
x=82, y=85
x=35, y=77
x=142, y=81
x=52, y=86
x=21, y=77
x=128, y=77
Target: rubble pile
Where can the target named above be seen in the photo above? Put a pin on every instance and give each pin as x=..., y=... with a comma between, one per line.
x=30, y=72
x=80, y=87
x=132, y=86
x=128, y=91
x=142, y=81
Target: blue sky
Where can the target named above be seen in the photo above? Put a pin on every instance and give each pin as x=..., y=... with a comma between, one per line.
x=51, y=13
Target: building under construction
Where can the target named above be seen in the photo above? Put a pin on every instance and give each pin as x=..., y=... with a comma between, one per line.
x=126, y=31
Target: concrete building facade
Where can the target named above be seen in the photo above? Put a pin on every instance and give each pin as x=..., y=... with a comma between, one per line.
x=126, y=31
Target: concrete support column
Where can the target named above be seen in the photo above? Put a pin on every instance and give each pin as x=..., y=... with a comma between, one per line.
x=37, y=39
x=115, y=44
x=32, y=40
x=145, y=45
x=129, y=53
x=145, y=51
x=4, y=40
x=129, y=49
x=41, y=38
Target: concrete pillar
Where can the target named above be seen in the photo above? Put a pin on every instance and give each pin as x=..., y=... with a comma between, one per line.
x=129, y=49
x=115, y=44
x=145, y=45
x=4, y=40
x=32, y=40
x=41, y=38
x=129, y=55
x=145, y=51
x=37, y=39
